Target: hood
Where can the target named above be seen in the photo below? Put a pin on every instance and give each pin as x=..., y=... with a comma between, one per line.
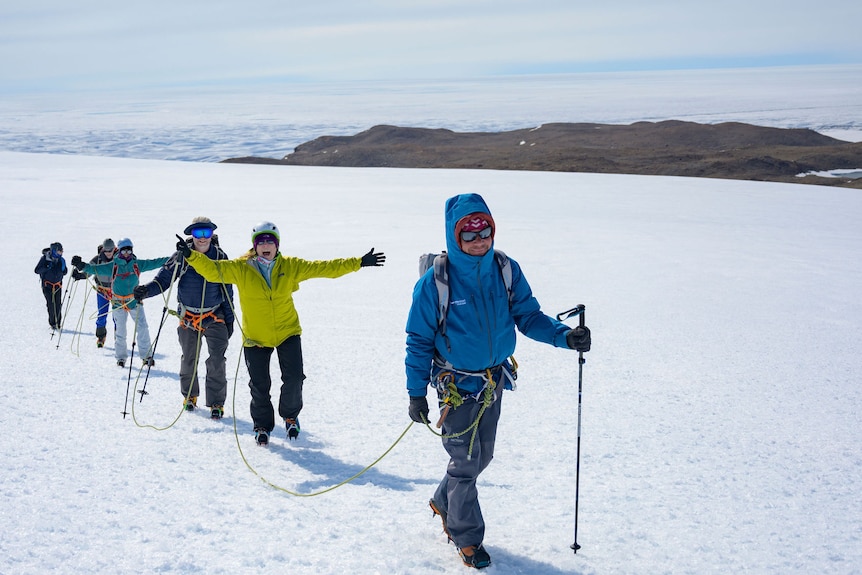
x=456, y=208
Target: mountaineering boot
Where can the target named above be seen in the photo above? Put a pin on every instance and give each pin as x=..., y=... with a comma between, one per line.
x=217, y=412
x=438, y=510
x=475, y=556
x=292, y=426
x=100, y=342
x=261, y=436
x=149, y=361
x=101, y=334
x=121, y=362
x=190, y=403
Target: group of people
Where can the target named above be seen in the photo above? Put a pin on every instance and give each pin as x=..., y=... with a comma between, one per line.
x=464, y=356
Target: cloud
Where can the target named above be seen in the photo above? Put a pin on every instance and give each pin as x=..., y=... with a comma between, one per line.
x=53, y=44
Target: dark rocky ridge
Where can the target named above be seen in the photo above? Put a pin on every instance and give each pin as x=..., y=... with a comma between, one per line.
x=671, y=148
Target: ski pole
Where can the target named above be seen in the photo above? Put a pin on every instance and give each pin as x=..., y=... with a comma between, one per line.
x=577, y=311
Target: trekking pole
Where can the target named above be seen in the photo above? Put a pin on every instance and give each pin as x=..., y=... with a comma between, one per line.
x=143, y=390
x=131, y=363
x=577, y=311
x=79, y=324
x=63, y=313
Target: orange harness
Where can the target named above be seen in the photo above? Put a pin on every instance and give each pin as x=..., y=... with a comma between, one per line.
x=105, y=292
x=195, y=321
x=123, y=301
x=56, y=286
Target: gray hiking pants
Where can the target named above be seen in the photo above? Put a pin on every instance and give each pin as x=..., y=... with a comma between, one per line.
x=216, y=338
x=457, y=495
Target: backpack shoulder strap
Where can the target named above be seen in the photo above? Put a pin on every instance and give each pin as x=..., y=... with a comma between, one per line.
x=506, y=271
x=441, y=279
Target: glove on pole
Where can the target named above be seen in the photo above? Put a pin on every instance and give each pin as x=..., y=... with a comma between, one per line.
x=578, y=310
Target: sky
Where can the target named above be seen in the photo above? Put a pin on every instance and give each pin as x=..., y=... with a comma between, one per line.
x=720, y=408
x=52, y=45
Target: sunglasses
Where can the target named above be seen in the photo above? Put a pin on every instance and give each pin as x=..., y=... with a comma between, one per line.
x=473, y=236
x=125, y=250
x=201, y=233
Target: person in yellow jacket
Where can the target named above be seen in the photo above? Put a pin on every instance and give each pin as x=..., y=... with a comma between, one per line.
x=266, y=281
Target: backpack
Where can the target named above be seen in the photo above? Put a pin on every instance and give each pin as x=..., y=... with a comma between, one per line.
x=441, y=277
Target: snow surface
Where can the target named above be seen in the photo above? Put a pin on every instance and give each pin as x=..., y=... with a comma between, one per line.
x=721, y=406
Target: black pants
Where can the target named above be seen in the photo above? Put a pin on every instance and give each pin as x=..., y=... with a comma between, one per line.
x=53, y=298
x=257, y=360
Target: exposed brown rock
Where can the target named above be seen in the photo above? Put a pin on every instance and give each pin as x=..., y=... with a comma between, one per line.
x=671, y=148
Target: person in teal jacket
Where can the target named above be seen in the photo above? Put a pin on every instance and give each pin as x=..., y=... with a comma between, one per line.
x=125, y=270
x=469, y=364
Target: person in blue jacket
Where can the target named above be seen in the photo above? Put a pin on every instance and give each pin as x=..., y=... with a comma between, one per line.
x=469, y=365
x=51, y=269
x=104, y=253
x=206, y=312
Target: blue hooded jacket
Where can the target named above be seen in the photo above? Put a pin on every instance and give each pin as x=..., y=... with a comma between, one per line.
x=480, y=324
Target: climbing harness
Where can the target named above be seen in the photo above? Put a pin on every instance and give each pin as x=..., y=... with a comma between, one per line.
x=450, y=397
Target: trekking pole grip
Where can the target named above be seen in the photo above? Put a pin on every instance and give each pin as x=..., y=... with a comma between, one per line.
x=577, y=310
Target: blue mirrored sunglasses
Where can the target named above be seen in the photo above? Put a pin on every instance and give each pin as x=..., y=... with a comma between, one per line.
x=202, y=233
x=472, y=236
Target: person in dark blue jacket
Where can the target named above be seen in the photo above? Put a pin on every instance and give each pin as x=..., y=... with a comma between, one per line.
x=102, y=284
x=51, y=269
x=469, y=364
x=205, y=310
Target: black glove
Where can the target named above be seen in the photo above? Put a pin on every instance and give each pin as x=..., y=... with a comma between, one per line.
x=76, y=261
x=76, y=275
x=578, y=339
x=372, y=259
x=140, y=292
x=183, y=248
x=229, y=326
x=418, y=409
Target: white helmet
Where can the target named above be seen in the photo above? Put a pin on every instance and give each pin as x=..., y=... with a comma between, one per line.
x=265, y=228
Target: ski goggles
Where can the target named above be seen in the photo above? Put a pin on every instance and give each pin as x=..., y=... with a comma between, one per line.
x=473, y=236
x=125, y=250
x=201, y=233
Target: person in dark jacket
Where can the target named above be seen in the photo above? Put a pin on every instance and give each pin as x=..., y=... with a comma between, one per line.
x=51, y=269
x=104, y=254
x=469, y=364
x=205, y=310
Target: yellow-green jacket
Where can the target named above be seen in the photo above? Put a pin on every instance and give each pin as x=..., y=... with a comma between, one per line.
x=268, y=314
